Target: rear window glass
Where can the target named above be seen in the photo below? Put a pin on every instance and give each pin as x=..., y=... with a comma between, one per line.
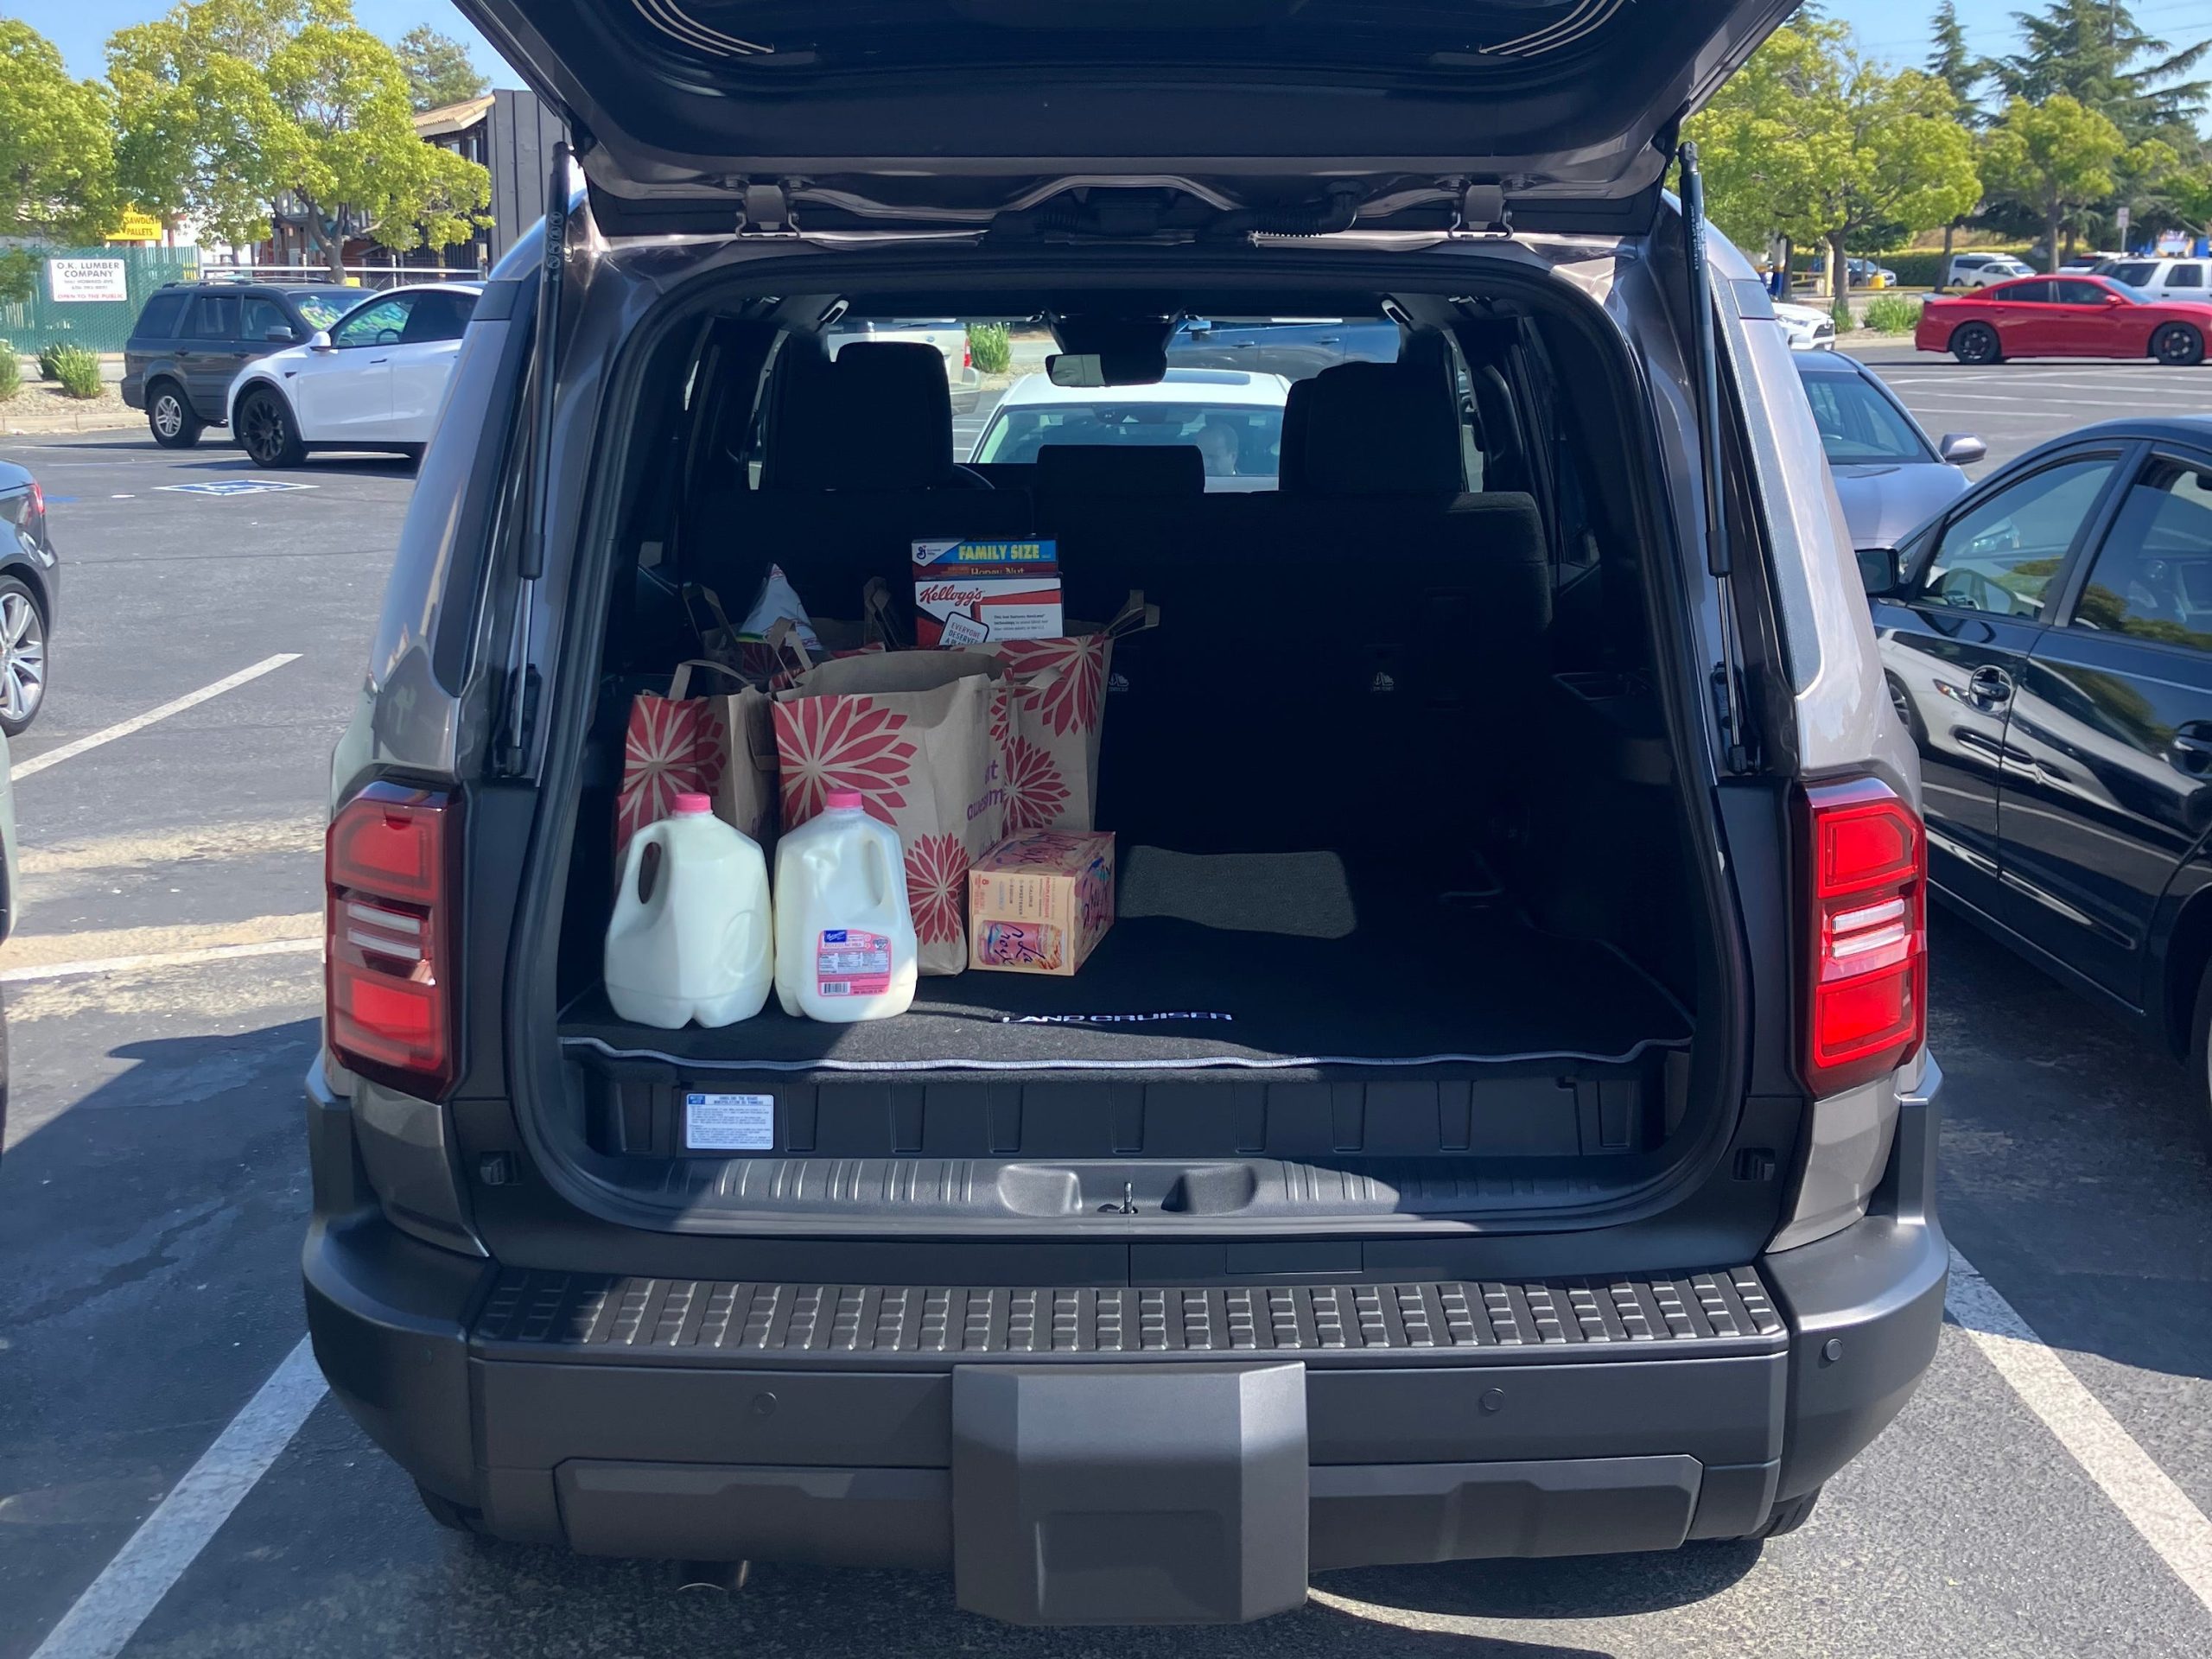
x=322, y=310
x=2136, y=272
x=1857, y=423
x=214, y=316
x=1236, y=442
x=161, y=314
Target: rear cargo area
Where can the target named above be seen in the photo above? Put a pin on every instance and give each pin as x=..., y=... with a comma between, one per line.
x=1406, y=924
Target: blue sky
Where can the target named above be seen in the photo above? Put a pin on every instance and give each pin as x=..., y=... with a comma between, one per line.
x=80, y=28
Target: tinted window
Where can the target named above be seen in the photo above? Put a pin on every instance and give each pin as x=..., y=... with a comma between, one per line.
x=2037, y=293
x=2154, y=576
x=2135, y=272
x=1858, y=423
x=161, y=314
x=2081, y=294
x=2000, y=556
x=380, y=322
x=263, y=316
x=2185, y=277
x=214, y=316
x=438, y=315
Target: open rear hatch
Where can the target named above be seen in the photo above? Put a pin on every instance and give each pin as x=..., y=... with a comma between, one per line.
x=1291, y=115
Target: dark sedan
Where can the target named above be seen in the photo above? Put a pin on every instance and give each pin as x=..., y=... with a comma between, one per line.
x=1890, y=475
x=2048, y=642
x=30, y=581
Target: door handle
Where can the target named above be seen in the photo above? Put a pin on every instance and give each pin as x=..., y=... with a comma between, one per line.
x=375, y=360
x=1990, y=688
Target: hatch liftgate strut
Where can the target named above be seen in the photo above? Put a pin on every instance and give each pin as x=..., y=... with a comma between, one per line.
x=1728, y=675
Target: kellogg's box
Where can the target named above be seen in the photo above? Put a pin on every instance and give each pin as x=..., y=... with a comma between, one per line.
x=972, y=592
x=1039, y=901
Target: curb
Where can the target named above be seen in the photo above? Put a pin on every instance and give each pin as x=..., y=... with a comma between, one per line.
x=41, y=425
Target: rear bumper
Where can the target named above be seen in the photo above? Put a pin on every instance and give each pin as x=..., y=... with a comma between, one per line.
x=990, y=1432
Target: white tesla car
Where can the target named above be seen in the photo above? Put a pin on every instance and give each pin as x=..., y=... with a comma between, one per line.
x=372, y=380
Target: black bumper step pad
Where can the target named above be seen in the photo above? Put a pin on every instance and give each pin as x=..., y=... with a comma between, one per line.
x=548, y=1315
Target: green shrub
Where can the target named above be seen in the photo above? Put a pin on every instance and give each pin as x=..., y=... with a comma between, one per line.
x=45, y=370
x=1892, y=314
x=1839, y=311
x=990, y=348
x=11, y=370
x=78, y=369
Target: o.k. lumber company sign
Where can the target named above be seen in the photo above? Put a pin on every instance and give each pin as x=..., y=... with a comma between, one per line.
x=86, y=279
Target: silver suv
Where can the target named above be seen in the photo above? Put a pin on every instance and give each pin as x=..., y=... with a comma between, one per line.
x=1498, y=1122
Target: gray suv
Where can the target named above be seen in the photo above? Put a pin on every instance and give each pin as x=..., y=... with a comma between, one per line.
x=191, y=339
x=1499, y=1122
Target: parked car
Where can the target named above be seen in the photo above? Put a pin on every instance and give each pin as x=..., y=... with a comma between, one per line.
x=1809, y=328
x=2182, y=280
x=2062, y=316
x=1250, y=1250
x=1980, y=270
x=2093, y=262
x=1889, y=475
x=1290, y=346
x=192, y=339
x=372, y=380
x=1231, y=420
x=30, y=586
x=948, y=336
x=2048, y=641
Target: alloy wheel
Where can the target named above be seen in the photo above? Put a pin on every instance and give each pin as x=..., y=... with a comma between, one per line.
x=22, y=658
x=2178, y=344
x=262, y=430
x=168, y=414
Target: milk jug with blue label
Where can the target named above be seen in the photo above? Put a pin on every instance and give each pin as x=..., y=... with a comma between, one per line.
x=692, y=937
x=845, y=945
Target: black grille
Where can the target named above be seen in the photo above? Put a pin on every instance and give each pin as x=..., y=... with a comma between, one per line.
x=590, y=1314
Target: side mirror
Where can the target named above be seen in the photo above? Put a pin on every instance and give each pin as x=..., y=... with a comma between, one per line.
x=1880, y=571
x=1962, y=449
x=319, y=341
x=280, y=336
x=2112, y=298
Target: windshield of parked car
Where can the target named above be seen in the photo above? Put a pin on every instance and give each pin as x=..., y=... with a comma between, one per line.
x=1236, y=440
x=1857, y=422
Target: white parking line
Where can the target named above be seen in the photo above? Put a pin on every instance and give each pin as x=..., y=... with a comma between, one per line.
x=131, y=1585
x=24, y=769
x=154, y=959
x=2142, y=1491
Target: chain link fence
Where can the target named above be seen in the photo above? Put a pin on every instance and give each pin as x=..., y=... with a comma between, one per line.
x=101, y=324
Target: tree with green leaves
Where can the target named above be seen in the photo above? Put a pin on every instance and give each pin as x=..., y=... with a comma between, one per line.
x=247, y=113
x=1812, y=139
x=1952, y=62
x=2056, y=156
x=57, y=150
x=438, y=70
x=2093, y=52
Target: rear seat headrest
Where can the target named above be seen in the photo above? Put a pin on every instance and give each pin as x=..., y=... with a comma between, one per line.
x=1377, y=428
x=878, y=416
x=1122, y=468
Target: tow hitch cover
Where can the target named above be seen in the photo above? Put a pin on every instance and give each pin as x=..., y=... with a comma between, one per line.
x=1128, y=1494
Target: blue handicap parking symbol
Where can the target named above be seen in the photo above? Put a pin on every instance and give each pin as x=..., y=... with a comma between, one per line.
x=234, y=486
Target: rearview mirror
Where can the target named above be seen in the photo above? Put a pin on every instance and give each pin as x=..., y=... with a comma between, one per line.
x=1962, y=449
x=1116, y=368
x=1880, y=571
x=319, y=341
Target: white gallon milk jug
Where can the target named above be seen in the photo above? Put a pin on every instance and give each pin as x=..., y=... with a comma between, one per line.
x=692, y=937
x=845, y=943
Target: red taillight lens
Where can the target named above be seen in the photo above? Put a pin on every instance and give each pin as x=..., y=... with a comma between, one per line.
x=38, y=501
x=967, y=357
x=1867, y=932
x=390, y=874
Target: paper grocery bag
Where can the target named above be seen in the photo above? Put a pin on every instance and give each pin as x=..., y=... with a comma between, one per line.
x=918, y=735
x=774, y=657
x=1058, y=692
x=721, y=745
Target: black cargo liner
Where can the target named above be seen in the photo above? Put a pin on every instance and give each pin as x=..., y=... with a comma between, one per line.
x=1461, y=984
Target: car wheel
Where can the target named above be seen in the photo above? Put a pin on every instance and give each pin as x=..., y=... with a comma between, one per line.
x=1976, y=342
x=169, y=418
x=2178, y=346
x=22, y=656
x=266, y=430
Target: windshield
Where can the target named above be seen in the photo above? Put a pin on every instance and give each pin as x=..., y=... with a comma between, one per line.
x=1858, y=423
x=322, y=310
x=1238, y=440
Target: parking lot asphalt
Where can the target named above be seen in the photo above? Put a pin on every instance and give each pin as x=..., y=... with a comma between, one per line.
x=2036, y=1497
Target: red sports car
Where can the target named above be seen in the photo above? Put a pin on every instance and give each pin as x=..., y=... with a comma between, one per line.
x=2063, y=317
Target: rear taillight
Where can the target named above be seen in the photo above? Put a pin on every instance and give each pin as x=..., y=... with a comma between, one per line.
x=1865, y=1009
x=38, y=501
x=968, y=356
x=391, y=876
